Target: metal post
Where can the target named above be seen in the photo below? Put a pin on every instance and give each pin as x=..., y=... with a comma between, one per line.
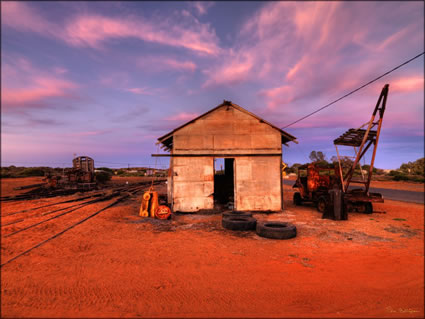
x=361, y=170
x=340, y=169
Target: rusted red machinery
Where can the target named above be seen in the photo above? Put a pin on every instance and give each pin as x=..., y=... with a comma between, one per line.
x=82, y=170
x=81, y=175
x=314, y=182
x=317, y=182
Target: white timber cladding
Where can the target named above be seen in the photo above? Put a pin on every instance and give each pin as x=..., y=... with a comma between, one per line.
x=193, y=183
x=258, y=185
x=227, y=131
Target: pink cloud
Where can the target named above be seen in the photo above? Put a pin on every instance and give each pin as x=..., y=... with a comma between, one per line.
x=182, y=117
x=236, y=70
x=297, y=51
x=20, y=16
x=141, y=91
x=89, y=133
x=278, y=96
x=162, y=63
x=60, y=70
x=23, y=85
x=180, y=65
x=407, y=84
x=201, y=6
x=112, y=79
x=42, y=88
x=94, y=30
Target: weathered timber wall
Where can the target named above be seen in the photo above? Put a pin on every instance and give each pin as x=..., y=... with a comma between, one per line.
x=193, y=183
x=258, y=184
x=227, y=131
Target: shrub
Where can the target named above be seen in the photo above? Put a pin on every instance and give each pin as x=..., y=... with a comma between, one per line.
x=401, y=177
x=31, y=171
x=103, y=176
x=417, y=178
x=121, y=172
x=106, y=169
x=393, y=173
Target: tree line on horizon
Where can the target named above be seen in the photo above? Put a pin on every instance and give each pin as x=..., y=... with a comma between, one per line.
x=13, y=171
x=411, y=171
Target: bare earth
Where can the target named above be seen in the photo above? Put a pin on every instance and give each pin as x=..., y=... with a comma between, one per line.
x=120, y=265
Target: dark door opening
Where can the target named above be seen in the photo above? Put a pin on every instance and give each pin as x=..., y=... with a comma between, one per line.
x=223, y=183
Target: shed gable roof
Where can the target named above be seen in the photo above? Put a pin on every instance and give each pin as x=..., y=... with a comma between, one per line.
x=167, y=139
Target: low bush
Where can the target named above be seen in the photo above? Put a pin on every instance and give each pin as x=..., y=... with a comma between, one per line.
x=400, y=177
x=31, y=171
x=106, y=169
x=103, y=176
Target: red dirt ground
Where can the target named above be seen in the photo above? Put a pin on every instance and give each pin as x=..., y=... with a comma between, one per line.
x=120, y=265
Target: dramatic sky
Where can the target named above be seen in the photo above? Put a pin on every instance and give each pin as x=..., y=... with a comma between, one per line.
x=106, y=79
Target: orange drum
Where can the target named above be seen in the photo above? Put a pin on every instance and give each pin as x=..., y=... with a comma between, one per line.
x=162, y=212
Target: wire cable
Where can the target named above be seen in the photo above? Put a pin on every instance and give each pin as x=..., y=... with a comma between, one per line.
x=359, y=88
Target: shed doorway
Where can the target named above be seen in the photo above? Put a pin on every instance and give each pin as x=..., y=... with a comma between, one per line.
x=224, y=183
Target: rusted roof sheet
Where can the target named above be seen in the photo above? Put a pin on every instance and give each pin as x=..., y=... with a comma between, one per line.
x=167, y=139
x=354, y=137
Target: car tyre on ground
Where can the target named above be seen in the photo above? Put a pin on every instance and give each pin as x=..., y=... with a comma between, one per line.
x=368, y=208
x=239, y=223
x=297, y=199
x=236, y=214
x=276, y=230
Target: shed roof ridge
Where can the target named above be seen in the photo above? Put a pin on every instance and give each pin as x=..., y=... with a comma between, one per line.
x=238, y=107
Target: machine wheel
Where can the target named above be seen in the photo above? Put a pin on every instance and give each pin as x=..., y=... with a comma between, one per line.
x=297, y=199
x=368, y=208
x=236, y=214
x=276, y=230
x=364, y=207
x=321, y=204
x=239, y=223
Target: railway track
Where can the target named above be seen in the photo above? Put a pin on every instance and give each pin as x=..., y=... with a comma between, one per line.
x=91, y=195
x=117, y=194
x=42, y=192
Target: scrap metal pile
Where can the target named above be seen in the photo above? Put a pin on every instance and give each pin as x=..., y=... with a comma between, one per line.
x=80, y=177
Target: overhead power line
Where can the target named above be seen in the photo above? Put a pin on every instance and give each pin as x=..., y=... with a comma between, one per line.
x=359, y=88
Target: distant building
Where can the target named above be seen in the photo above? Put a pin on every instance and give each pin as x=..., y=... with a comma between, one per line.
x=252, y=151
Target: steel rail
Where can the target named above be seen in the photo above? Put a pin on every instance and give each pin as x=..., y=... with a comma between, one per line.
x=106, y=197
x=76, y=199
x=50, y=212
x=72, y=226
x=65, y=230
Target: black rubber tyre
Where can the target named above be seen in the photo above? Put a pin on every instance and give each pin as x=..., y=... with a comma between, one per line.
x=239, y=223
x=321, y=204
x=368, y=208
x=297, y=199
x=236, y=214
x=276, y=230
